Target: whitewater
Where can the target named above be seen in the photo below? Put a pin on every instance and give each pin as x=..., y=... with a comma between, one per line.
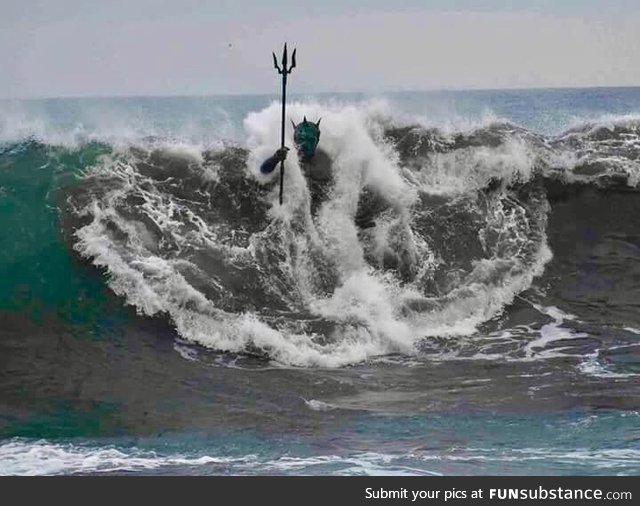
x=142, y=246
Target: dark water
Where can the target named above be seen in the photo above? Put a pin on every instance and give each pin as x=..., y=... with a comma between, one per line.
x=161, y=314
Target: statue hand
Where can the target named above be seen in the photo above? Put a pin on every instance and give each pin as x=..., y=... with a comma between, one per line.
x=281, y=154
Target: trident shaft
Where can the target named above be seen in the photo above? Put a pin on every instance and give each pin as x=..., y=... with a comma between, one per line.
x=284, y=71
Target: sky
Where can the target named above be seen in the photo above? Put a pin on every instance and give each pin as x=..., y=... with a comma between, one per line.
x=71, y=48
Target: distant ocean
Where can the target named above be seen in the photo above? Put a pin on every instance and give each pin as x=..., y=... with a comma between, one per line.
x=160, y=313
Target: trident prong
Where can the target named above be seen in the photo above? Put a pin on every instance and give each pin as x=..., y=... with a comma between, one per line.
x=275, y=63
x=285, y=61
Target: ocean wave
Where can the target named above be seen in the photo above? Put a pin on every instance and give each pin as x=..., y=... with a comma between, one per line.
x=40, y=458
x=193, y=231
x=200, y=238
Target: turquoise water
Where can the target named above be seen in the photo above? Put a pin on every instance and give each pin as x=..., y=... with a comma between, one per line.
x=457, y=444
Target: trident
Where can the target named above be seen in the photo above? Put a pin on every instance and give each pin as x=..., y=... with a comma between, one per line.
x=284, y=72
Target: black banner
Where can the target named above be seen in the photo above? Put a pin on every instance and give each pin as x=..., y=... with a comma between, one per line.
x=328, y=491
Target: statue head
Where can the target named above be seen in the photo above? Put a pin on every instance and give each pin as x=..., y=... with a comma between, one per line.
x=306, y=135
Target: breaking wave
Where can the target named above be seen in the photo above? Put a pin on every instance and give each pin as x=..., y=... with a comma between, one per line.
x=191, y=231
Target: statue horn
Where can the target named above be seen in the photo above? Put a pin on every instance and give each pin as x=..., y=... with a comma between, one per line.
x=318, y=122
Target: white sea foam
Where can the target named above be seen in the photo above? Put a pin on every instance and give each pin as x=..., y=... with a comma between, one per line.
x=38, y=458
x=472, y=168
x=580, y=125
x=316, y=405
x=73, y=123
x=369, y=305
x=591, y=366
x=551, y=333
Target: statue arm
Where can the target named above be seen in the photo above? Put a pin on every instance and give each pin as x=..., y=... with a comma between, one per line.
x=270, y=163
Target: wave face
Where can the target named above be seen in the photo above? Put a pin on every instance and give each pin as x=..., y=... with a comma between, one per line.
x=192, y=232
